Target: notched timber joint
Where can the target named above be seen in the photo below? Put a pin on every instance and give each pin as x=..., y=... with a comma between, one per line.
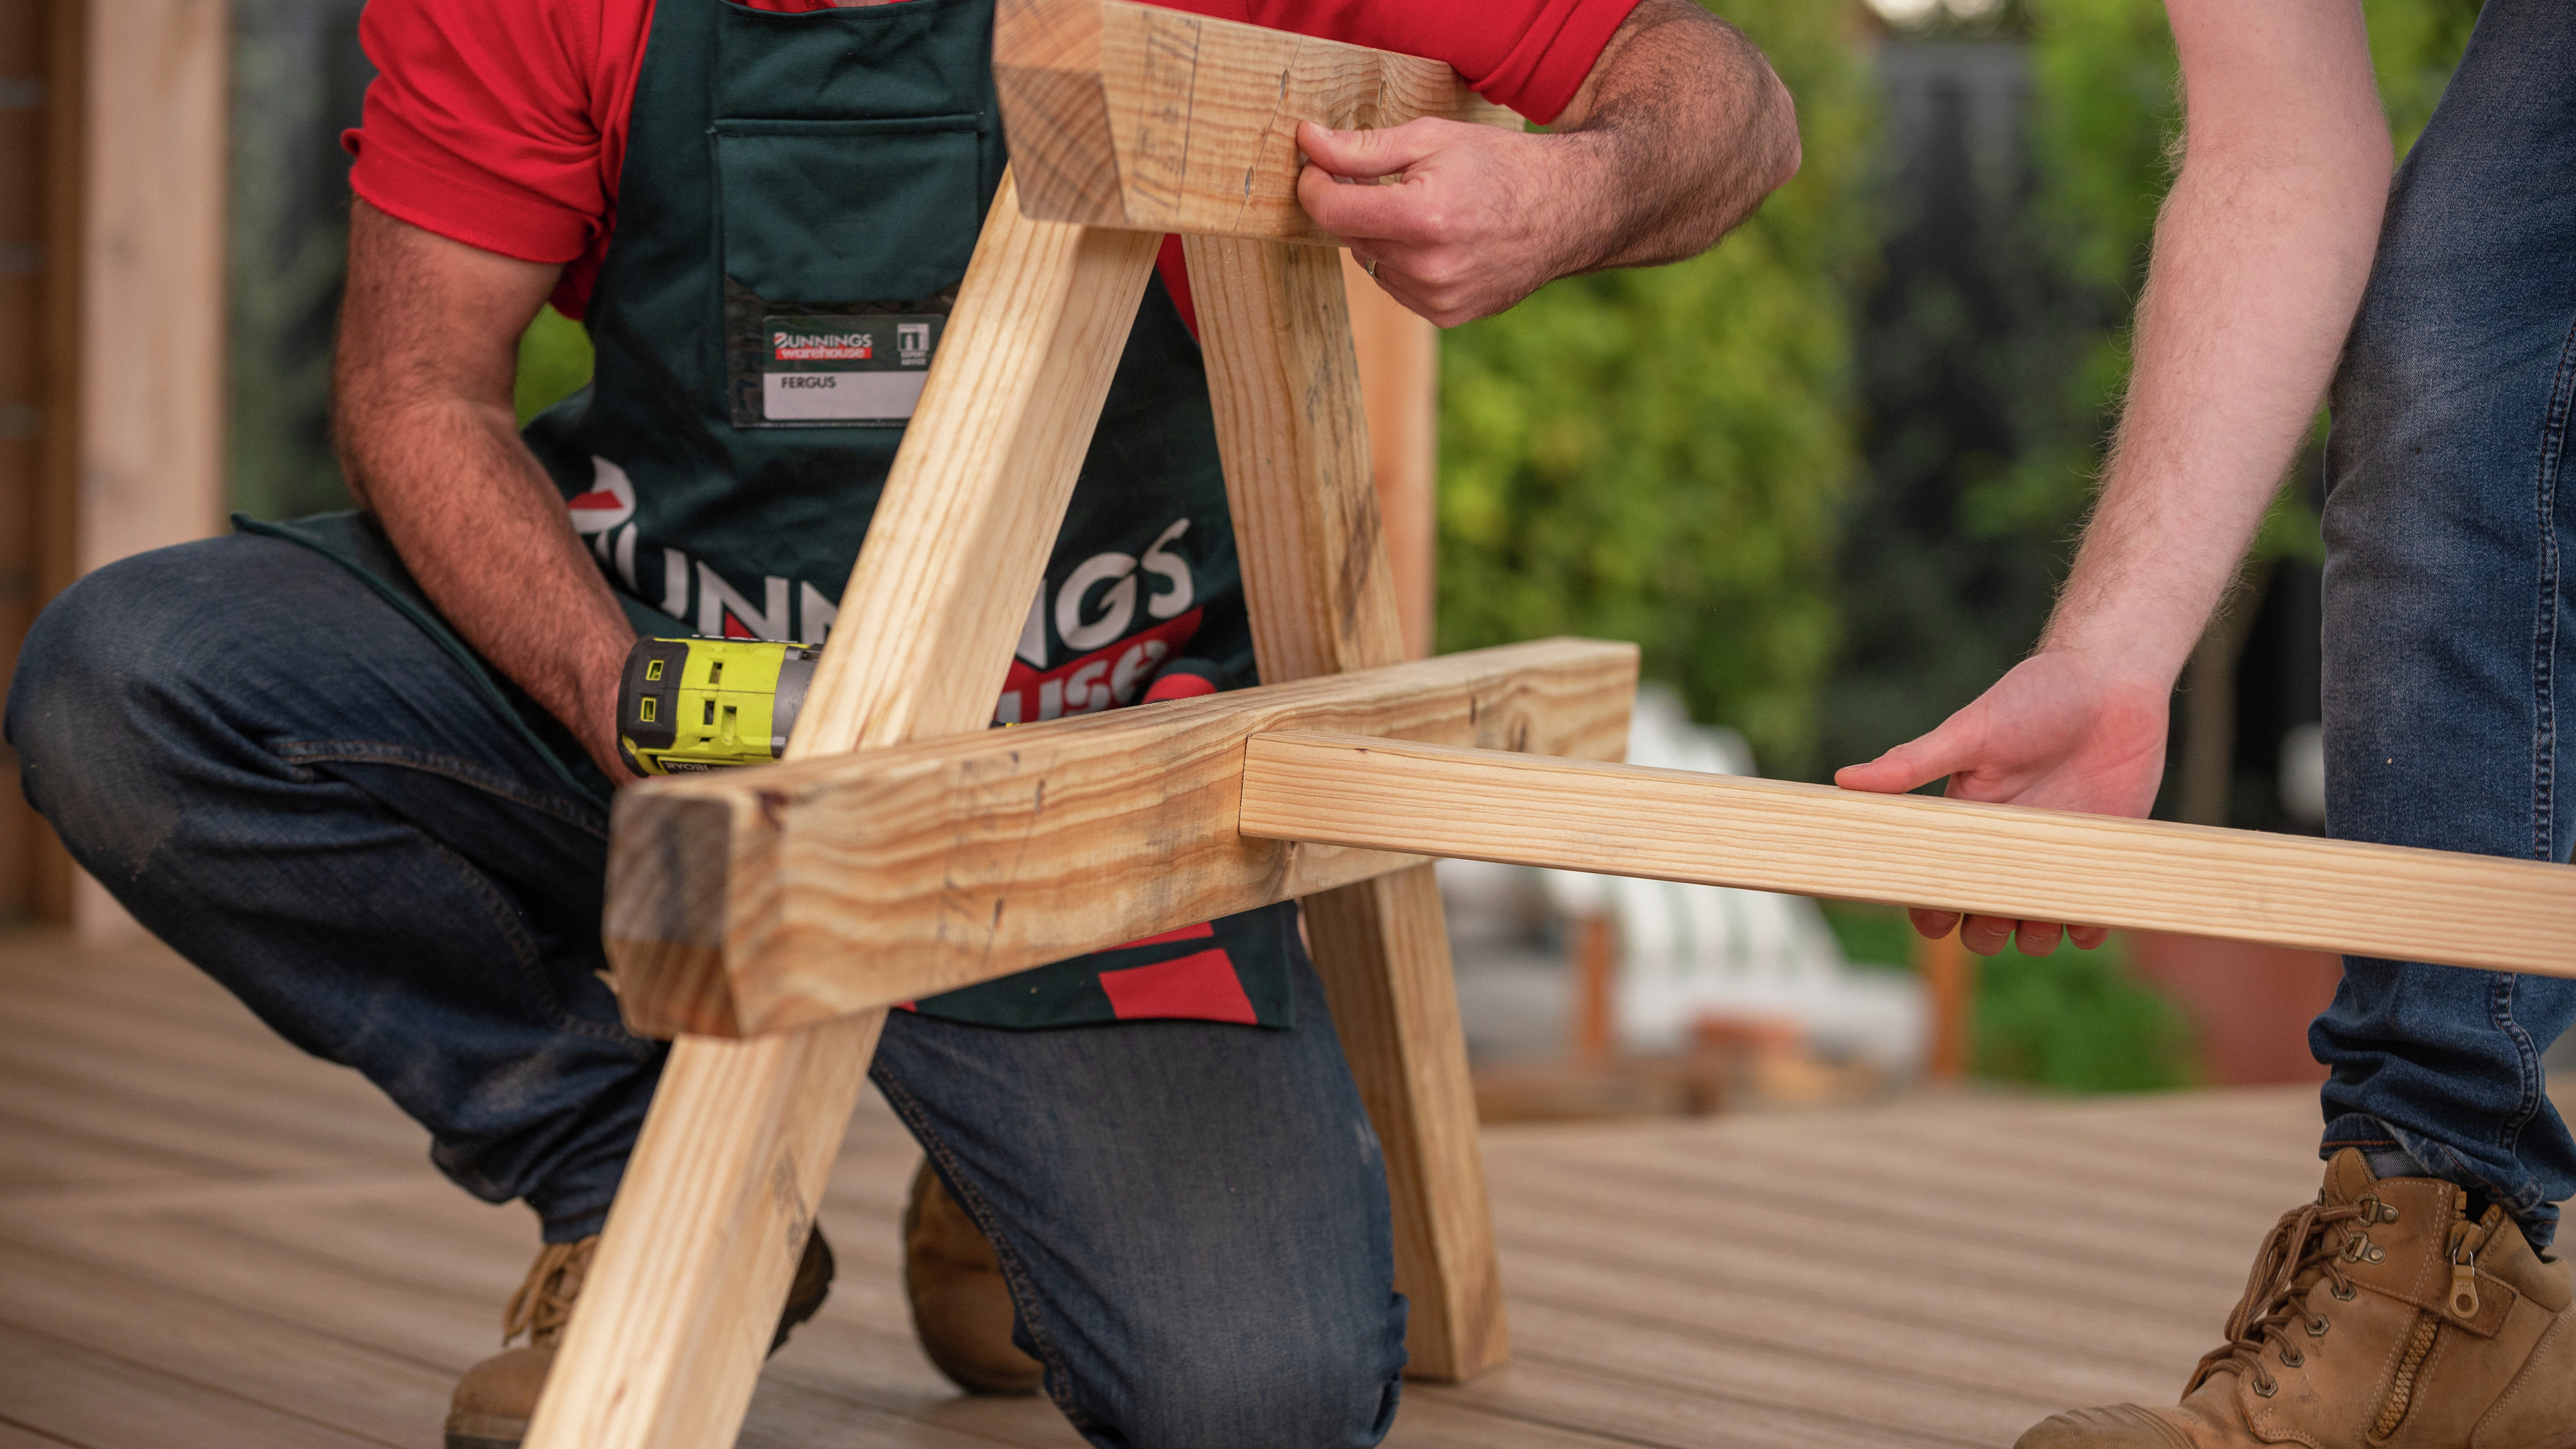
x=1145, y=119
x=760, y=899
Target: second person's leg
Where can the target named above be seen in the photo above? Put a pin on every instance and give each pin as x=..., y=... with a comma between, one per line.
x=2450, y=643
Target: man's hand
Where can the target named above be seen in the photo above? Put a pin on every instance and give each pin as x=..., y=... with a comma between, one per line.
x=2261, y=254
x=428, y=354
x=1678, y=133
x=2059, y=733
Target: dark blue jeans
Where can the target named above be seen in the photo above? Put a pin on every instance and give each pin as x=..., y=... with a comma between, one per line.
x=2450, y=645
x=293, y=786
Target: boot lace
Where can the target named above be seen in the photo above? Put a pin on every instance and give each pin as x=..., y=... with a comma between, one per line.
x=2305, y=1243
x=543, y=1304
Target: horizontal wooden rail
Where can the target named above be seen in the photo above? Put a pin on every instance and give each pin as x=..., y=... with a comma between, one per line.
x=1777, y=835
x=1133, y=116
x=745, y=901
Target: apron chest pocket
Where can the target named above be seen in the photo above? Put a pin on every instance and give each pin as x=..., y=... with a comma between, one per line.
x=843, y=243
x=824, y=212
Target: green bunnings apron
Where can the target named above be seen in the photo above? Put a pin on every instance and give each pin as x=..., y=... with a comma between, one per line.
x=800, y=196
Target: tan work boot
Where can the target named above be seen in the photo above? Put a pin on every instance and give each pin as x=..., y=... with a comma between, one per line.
x=2381, y=1317
x=495, y=1398
x=961, y=1308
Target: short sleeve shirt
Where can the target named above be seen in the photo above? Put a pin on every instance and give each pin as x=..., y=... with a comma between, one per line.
x=502, y=123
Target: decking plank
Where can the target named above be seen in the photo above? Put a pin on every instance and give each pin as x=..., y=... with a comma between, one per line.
x=196, y=1143
x=372, y=1305
x=1993, y=1213
x=317, y=1108
x=1885, y=1394
x=103, y=1402
x=207, y=1228
x=1872, y=1278
x=1745, y=1224
x=1851, y=1334
x=325, y=1376
x=1543, y=1391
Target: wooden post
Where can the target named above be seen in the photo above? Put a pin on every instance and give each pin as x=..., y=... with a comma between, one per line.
x=671, y=1328
x=151, y=418
x=35, y=532
x=1291, y=425
x=1595, y=979
x=152, y=266
x=1399, y=356
x=108, y=446
x=1950, y=978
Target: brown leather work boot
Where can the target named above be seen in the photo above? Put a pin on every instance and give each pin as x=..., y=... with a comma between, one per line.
x=961, y=1308
x=2381, y=1317
x=495, y=1398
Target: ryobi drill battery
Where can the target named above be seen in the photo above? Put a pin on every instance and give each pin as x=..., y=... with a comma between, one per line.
x=704, y=704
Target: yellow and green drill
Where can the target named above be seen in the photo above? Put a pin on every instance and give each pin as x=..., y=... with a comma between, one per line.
x=705, y=704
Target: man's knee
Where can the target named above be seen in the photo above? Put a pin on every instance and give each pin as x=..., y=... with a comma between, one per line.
x=108, y=669
x=1295, y=1391
x=72, y=696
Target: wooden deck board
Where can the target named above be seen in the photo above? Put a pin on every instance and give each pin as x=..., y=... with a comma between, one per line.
x=208, y=1238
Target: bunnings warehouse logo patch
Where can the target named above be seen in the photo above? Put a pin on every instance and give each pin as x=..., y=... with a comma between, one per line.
x=798, y=345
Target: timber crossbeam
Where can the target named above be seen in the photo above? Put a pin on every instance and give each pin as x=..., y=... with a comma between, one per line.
x=1146, y=119
x=1780, y=835
x=752, y=900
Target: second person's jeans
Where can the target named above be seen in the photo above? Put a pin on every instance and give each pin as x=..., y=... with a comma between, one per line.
x=2450, y=631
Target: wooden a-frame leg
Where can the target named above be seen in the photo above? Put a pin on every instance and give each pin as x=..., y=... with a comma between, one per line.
x=669, y=1333
x=1275, y=328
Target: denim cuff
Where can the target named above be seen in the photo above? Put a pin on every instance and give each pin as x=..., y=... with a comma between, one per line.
x=2386, y=1146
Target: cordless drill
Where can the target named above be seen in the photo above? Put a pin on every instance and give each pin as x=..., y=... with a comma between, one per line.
x=705, y=704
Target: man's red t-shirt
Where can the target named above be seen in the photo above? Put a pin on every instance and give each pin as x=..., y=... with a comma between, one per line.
x=502, y=123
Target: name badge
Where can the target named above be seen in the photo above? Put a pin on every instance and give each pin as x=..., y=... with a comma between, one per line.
x=862, y=370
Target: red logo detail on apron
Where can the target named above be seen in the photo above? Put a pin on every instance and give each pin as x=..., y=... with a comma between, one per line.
x=1198, y=987
x=610, y=501
x=1105, y=678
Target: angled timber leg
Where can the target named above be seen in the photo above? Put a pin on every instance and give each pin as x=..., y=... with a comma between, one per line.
x=670, y=1330
x=1276, y=331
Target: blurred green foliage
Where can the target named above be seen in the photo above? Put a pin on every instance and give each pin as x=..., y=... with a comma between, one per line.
x=286, y=247
x=2104, y=145
x=1658, y=455
x=1870, y=934
x=554, y=363
x=2079, y=1021
x=2072, y=1021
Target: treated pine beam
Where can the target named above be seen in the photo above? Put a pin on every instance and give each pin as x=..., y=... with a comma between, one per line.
x=1133, y=116
x=671, y=1327
x=904, y=872
x=2000, y=860
x=1399, y=357
x=1293, y=428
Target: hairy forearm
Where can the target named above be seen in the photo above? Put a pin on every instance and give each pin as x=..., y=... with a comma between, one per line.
x=1676, y=137
x=421, y=410
x=486, y=535
x=2261, y=254
x=2258, y=271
